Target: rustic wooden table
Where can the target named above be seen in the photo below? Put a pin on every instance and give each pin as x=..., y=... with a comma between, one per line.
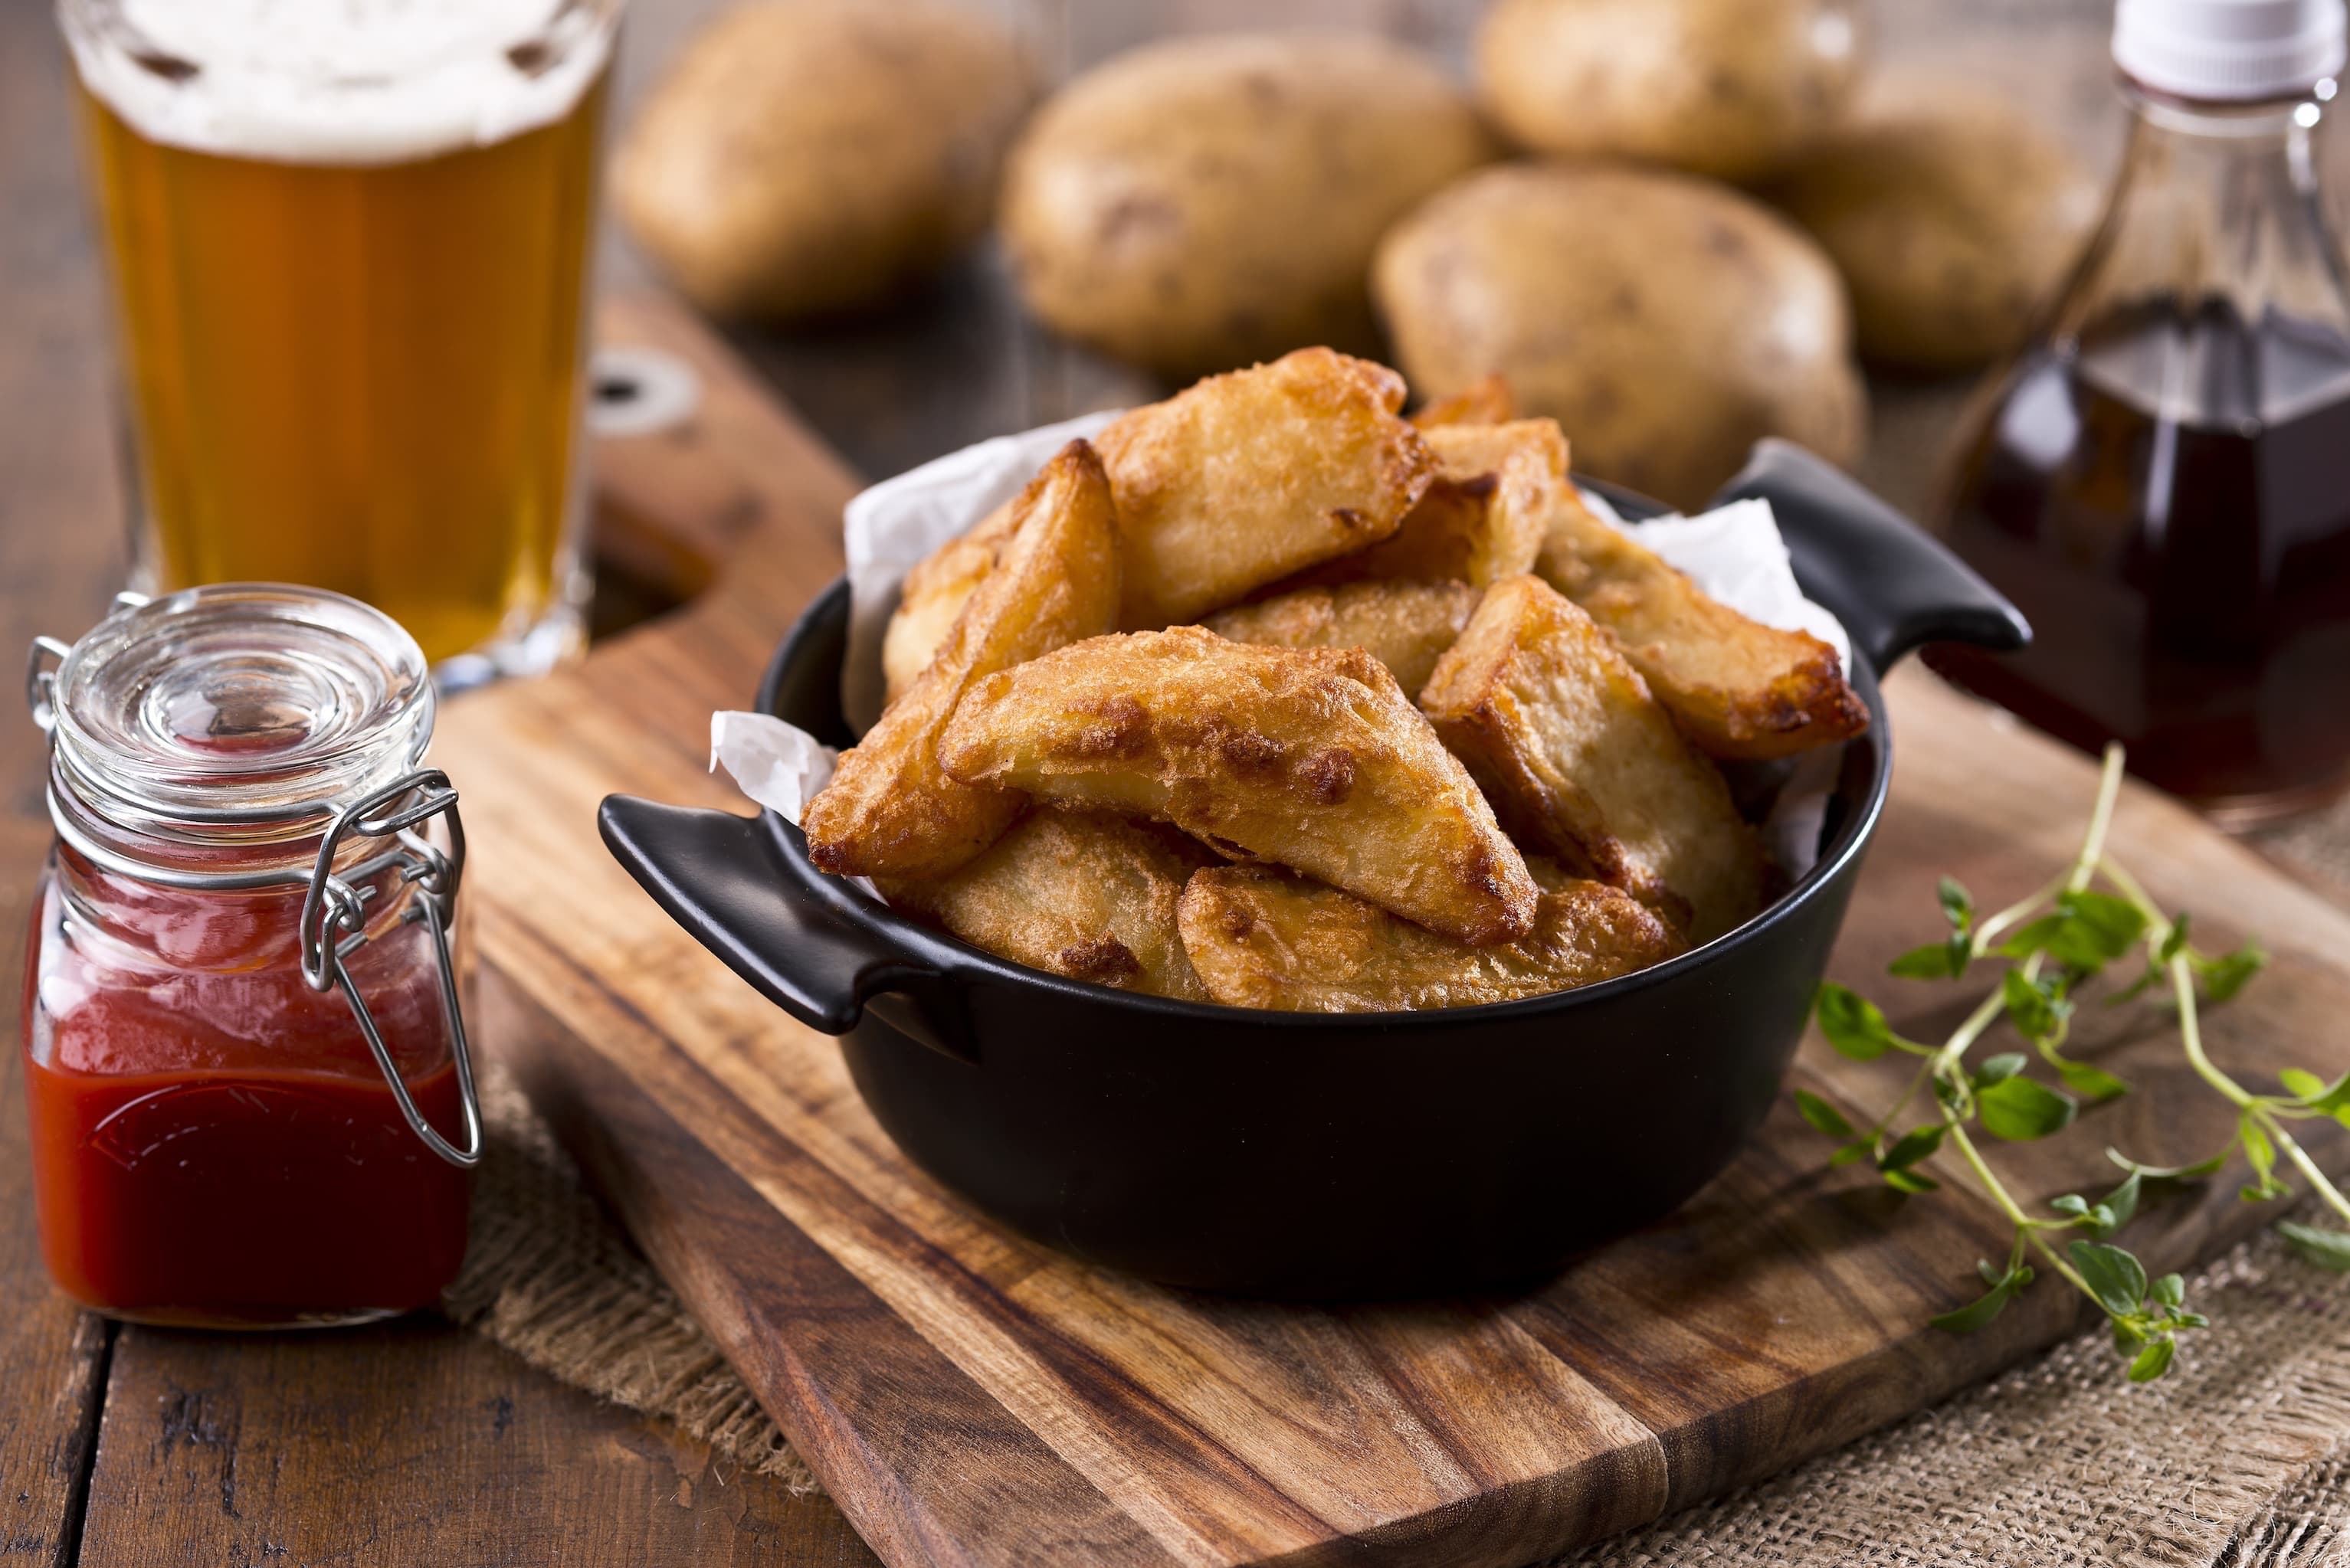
x=415, y=1441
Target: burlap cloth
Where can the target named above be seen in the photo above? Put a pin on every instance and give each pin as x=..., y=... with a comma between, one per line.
x=2241, y=1457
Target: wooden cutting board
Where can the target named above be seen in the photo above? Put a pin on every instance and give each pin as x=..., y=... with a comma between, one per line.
x=971, y=1397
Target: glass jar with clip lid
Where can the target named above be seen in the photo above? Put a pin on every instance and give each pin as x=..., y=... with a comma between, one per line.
x=250, y=1095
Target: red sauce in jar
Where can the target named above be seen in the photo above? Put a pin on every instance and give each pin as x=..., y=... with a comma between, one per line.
x=213, y=1143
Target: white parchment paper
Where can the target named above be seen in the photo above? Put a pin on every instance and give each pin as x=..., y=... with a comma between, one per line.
x=1734, y=553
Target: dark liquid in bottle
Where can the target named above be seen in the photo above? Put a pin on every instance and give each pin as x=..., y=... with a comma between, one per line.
x=2169, y=503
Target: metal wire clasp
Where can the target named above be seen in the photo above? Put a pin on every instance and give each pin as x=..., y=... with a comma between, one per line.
x=334, y=926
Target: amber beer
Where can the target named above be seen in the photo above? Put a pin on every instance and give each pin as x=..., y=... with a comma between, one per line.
x=348, y=266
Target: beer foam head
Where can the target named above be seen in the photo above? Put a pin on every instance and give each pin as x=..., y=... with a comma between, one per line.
x=337, y=81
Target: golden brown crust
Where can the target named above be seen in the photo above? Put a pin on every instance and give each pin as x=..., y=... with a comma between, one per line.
x=1580, y=760
x=1245, y=478
x=1486, y=402
x=1309, y=757
x=1405, y=625
x=1263, y=937
x=1078, y=893
x=1482, y=516
x=931, y=598
x=1737, y=687
x=889, y=810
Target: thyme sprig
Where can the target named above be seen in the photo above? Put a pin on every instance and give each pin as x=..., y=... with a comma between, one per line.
x=2047, y=946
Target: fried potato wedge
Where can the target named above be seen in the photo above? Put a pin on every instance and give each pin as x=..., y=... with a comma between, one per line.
x=1582, y=761
x=1483, y=517
x=931, y=598
x=1738, y=688
x=1405, y=625
x=1077, y=893
x=889, y=810
x=1262, y=937
x=1245, y=478
x=1487, y=402
x=1310, y=757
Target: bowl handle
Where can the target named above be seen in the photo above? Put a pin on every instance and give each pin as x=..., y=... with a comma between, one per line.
x=721, y=877
x=1893, y=585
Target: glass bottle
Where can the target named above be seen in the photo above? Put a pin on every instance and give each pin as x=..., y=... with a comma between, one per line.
x=249, y=1094
x=2160, y=480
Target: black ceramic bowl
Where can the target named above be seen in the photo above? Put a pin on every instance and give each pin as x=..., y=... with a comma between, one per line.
x=1307, y=1155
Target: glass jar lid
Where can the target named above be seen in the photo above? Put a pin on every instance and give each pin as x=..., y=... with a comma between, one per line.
x=237, y=707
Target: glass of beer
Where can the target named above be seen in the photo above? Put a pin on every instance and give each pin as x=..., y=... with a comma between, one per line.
x=350, y=242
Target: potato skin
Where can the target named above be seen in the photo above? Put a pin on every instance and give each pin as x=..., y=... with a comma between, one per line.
x=1666, y=322
x=815, y=155
x=1204, y=202
x=1728, y=87
x=1952, y=218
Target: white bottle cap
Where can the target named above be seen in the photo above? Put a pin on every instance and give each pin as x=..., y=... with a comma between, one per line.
x=2229, y=49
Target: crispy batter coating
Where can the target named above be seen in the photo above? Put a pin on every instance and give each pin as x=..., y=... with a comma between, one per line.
x=1310, y=757
x=1581, y=761
x=1078, y=893
x=889, y=810
x=1484, y=515
x=1486, y=402
x=1737, y=688
x=931, y=600
x=1261, y=938
x=1247, y=477
x=1405, y=625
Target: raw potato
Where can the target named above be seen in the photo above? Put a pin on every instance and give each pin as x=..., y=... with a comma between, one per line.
x=1728, y=87
x=1245, y=478
x=1405, y=625
x=1313, y=758
x=889, y=810
x=1738, y=688
x=1261, y=938
x=1077, y=893
x=1580, y=761
x=1481, y=518
x=1953, y=218
x=1668, y=322
x=815, y=155
x=1203, y=202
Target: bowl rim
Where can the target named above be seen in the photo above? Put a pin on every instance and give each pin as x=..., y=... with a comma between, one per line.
x=954, y=959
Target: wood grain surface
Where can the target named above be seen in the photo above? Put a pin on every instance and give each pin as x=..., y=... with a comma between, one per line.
x=969, y=1396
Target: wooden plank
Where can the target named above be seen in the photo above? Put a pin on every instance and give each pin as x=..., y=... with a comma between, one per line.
x=60, y=555
x=1780, y=1312
x=409, y=1442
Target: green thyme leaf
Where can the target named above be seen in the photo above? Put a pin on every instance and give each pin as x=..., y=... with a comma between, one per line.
x=2175, y=943
x=2328, y=1099
x=2326, y=1249
x=1978, y=1311
x=1911, y=1149
x=1853, y=1023
x=1999, y=1068
x=2227, y=974
x=1935, y=961
x=1958, y=904
x=2019, y=1109
x=2115, y=1277
x=2082, y=1078
x=1910, y=1181
x=2170, y=1290
x=2153, y=1361
x=2120, y=1206
x=1823, y=1116
x=2088, y=932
